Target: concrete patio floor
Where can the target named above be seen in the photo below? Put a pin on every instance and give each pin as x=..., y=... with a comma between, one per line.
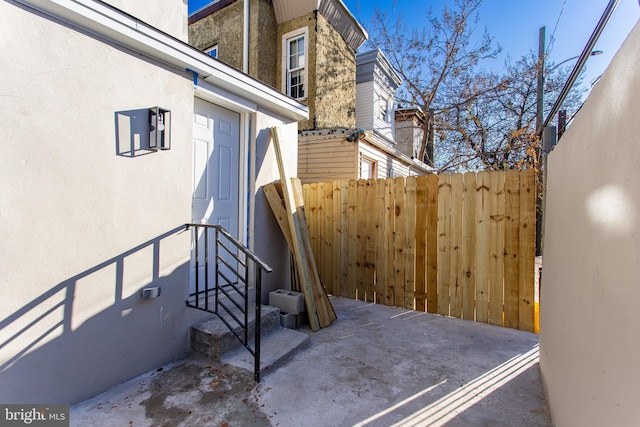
x=374, y=366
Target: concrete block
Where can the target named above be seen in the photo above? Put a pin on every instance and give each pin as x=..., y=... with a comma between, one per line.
x=293, y=321
x=288, y=302
x=288, y=320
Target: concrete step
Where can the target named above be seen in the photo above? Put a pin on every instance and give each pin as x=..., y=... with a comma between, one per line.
x=275, y=349
x=212, y=338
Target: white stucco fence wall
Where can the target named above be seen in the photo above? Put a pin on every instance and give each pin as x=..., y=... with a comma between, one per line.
x=590, y=321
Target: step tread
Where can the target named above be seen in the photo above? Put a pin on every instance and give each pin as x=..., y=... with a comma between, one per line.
x=275, y=349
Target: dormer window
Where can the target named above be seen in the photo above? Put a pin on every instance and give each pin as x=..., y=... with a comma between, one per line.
x=294, y=62
x=385, y=109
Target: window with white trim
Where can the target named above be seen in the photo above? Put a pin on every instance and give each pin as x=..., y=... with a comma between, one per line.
x=294, y=63
x=368, y=169
x=212, y=51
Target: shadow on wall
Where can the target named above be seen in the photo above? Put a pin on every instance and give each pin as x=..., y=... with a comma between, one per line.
x=64, y=346
x=133, y=133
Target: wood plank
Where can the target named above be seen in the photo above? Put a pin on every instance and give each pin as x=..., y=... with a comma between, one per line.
x=279, y=211
x=432, y=243
x=327, y=255
x=336, y=213
x=399, y=243
x=311, y=213
x=527, y=249
x=469, y=247
x=381, y=241
x=300, y=254
x=455, y=266
x=326, y=313
x=512, y=248
x=362, y=240
x=421, y=242
x=410, y=242
x=344, y=238
x=352, y=270
x=482, y=246
x=369, y=237
x=496, y=248
x=444, y=243
x=390, y=209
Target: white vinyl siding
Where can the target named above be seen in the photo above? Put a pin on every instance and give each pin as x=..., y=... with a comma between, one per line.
x=327, y=160
x=387, y=166
x=383, y=112
x=364, y=105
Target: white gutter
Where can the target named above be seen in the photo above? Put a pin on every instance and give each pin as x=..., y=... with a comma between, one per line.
x=125, y=30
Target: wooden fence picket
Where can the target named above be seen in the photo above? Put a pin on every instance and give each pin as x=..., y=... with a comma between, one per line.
x=511, y=249
x=460, y=245
x=469, y=246
x=444, y=243
x=432, y=243
x=455, y=254
x=421, y=243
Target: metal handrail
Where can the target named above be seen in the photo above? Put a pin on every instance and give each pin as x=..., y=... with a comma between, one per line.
x=230, y=282
x=263, y=265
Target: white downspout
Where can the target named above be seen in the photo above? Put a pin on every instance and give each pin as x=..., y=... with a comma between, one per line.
x=245, y=39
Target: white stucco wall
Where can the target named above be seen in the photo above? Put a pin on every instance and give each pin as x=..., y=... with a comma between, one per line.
x=169, y=16
x=590, y=321
x=82, y=222
x=266, y=239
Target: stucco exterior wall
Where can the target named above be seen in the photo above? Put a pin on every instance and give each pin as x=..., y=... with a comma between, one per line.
x=169, y=16
x=588, y=312
x=263, y=48
x=309, y=21
x=85, y=225
x=267, y=241
x=335, y=76
x=224, y=28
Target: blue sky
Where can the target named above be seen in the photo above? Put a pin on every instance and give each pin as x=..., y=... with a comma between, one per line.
x=515, y=23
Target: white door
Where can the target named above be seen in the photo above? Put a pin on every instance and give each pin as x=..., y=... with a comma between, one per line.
x=216, y=173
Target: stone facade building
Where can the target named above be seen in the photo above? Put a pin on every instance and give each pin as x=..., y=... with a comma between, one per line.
x=306, y=49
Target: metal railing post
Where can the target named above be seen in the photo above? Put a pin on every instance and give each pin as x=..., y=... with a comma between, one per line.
x=195, y=243
x=206, y=269
x=217, y=283
x=258, y=331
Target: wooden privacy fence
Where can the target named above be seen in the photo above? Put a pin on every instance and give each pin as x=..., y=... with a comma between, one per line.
x=460, y=245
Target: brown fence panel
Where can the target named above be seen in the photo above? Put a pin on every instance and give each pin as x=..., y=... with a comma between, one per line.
x=444, y=242
x=421, y=243
x=469, y=247
x=512, y=249
x=389, y=243
x=458, y=245
x=496, y=248
x=527, y=250
x=455, y=255
x=482, y=247
x=432, y=244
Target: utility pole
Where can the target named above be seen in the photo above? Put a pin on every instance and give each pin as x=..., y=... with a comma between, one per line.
x=562, y=122
x=540, y=88
x=541, y=152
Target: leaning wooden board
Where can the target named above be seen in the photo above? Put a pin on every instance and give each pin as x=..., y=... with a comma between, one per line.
x=319, y=309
